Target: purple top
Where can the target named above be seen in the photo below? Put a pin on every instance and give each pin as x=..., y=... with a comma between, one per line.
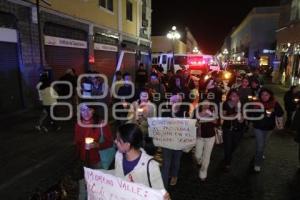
x=128, y=166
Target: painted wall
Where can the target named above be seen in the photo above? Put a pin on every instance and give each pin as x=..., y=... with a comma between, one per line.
x=163, y=44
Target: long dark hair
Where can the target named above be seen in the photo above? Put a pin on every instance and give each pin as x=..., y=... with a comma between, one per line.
x=270, y=92
x=132, y=134
x=230, y=93
x=44, y=79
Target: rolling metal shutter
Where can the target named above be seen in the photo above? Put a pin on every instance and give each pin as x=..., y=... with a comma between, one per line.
x=129, y=64
x=62, y=58
x=105, y=63
x=10, y=90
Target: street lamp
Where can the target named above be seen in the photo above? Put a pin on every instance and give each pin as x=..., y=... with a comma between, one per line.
x=173, y=35
x=196, y=50
x=225, y=52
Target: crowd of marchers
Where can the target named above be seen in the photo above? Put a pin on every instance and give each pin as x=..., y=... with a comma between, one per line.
x=179, y=96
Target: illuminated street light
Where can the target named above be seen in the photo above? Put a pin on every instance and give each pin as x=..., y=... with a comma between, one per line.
x=196, y=50
x=173, y=35
x=225, y=52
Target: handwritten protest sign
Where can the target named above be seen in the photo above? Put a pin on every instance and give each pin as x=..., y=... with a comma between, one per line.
x=173, y=133
x=104, y=186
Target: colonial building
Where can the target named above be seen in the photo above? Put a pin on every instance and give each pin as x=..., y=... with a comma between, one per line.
x=186, y=44
x=52, y=35
x=254, y=40
x=288, y=43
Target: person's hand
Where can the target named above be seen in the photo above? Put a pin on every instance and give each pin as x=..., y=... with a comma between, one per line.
x=167, y=196
x=91, y=146
x=241, y=119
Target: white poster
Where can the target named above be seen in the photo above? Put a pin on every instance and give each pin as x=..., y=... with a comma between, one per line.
x=173, y=133
x=102, y=185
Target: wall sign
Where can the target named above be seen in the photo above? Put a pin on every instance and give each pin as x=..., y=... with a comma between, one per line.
x=105, y=47
x=65, y=42
x=8, y=35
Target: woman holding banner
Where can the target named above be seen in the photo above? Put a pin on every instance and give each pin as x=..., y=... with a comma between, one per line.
x=132, y=163
x=171, y=158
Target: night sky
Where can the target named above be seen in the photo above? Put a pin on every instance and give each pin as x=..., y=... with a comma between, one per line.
x=209, y=20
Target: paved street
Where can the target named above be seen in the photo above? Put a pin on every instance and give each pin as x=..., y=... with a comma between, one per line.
x=31, y=161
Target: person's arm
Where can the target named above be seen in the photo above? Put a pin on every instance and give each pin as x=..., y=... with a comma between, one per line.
x=278, y=110
x=155, y=176
x=108, y=140
x=77, y=139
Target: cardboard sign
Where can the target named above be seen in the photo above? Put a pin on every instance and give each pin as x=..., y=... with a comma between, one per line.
x=173, y=133
x=102, y=185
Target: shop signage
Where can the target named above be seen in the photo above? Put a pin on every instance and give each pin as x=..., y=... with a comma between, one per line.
x=8, y=35
x=65, y=42
x=268, y=51
x=105, y=47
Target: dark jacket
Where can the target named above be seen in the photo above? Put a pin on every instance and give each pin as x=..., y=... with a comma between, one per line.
x=289, y=103
x=268, y=123
x=231, y=125
x=296, y=125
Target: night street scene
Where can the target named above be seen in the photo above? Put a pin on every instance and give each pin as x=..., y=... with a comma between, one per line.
x=149, y=100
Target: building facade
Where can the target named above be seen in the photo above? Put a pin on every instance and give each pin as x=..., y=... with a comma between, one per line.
x=288, y=44
x=100, y=35
x=161, y=44
x=254, y=40
x=186, y=44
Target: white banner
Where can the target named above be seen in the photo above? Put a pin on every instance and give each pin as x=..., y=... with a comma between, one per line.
x=105, y=47
x=103, y=186
x=173, y=133
x=65, y=42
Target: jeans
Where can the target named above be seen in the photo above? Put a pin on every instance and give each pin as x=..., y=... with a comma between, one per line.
x=171, y=162
x=204, y=147
x=231, y=140
x=261, y=137
x=46, y=119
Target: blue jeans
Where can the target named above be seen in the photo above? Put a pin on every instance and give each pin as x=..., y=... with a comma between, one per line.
x=261, y=137
x=171, y=162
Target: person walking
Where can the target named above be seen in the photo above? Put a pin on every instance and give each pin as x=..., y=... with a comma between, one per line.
x=171, y=158
x=296, y=127
x=132, y=163
x=141, y=76
x=232, y=126
x=290, y=104
x=264, y=127
x=205, y=138
x=48, y=97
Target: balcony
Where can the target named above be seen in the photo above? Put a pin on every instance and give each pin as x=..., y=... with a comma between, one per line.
x=145, y=23
x=144, y=33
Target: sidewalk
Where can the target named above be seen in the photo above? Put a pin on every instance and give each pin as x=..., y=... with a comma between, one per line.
x=30, y=160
